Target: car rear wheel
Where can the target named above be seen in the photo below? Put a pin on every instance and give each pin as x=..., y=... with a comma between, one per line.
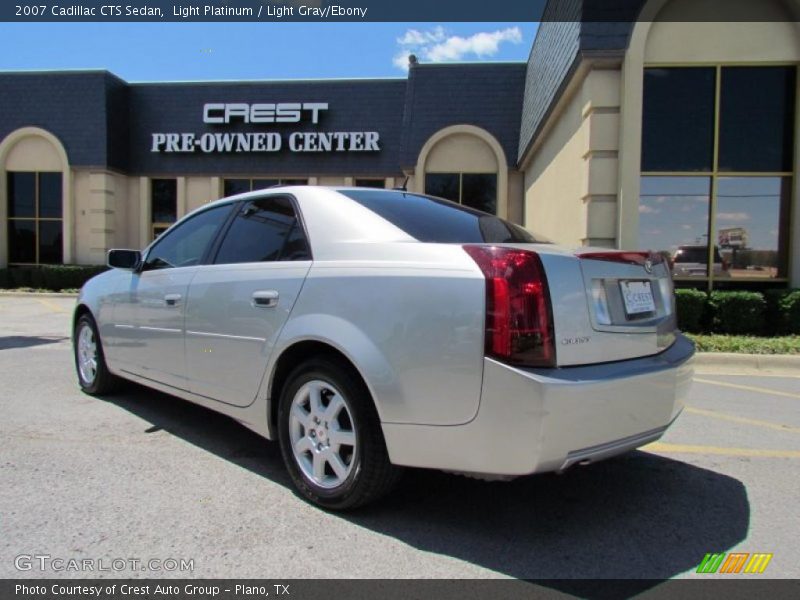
x=331, y=438
x=93, y=374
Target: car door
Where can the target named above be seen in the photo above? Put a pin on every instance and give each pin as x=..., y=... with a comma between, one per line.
x=149, y=310
x=238, y=305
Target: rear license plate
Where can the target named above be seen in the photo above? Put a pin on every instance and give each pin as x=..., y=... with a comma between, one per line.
x=638, y=297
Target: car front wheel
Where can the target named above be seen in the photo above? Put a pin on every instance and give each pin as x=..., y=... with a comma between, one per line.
x=93, y=374
x=330, y=437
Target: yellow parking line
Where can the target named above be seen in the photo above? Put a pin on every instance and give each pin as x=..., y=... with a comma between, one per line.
x=51, y=305
x=662, y=448
x=748, y=388
x=725, y=417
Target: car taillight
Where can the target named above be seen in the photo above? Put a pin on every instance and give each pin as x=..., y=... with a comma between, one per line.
x=519, y=318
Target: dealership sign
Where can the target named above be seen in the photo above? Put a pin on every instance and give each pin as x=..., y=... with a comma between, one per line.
x=217, y=114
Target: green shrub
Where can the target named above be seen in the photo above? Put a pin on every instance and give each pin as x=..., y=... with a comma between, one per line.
x=690, y=306
x=773, y=317
x=49, y=277
x=745, y=344
x=738, y=313
x=789, y=310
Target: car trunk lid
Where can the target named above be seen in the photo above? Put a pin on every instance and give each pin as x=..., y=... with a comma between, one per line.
x=609, y=305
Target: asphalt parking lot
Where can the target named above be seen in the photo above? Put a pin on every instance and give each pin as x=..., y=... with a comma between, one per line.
x=143, y=475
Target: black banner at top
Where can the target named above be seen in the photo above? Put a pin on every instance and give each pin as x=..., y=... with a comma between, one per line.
x=380, y=10
x=272, y=10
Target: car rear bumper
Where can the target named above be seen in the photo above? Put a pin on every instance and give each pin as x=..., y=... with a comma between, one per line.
x=539, y=420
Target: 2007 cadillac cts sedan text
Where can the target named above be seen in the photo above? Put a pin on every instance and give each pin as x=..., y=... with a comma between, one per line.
x=368, y=330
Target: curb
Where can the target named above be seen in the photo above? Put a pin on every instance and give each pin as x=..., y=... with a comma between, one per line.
x=38, y=294
x=735, y=363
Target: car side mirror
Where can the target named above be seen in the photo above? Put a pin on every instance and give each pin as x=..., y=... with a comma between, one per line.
x=124, y=259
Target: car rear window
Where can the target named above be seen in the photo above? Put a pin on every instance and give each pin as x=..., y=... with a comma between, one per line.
x=435, y=220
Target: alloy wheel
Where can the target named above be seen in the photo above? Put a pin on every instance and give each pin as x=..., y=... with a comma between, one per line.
x=322, y=434
x=87, y=354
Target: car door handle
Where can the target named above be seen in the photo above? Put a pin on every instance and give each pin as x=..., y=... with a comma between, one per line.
x=172, y=299
x=265, y=298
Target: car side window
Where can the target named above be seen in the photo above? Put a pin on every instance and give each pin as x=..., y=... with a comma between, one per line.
x=266, y=229
x=185, y=245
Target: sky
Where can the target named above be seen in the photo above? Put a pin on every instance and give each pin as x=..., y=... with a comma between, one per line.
x=214, y=51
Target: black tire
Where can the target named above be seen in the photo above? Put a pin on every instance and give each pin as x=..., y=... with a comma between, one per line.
x=104, y=382
x=371, y=475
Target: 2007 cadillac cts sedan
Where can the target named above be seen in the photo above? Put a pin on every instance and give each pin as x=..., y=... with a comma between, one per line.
x=368, y=330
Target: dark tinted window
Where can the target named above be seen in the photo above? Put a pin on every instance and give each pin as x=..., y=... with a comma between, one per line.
x=22, y=195
x=50, y=242
x=50, y=195
x=479, y=191
x=752, y=225
x=22, y=241
x=262, y=184
x=239, y=186
x=185, y=245
x=371, y=183
x=678, y=119
x=235, y=186
x=266, y=229
x=34, y=217
x=434, y=220
x=673, y=216
x=756, y=119
x=164, y=197
x=443, y=185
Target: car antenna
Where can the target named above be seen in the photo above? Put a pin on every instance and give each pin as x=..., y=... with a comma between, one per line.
x=403, y=187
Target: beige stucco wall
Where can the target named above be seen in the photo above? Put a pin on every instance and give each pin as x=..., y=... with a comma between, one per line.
x=200, y=191
x=570, y=177
x=516, y=194
x=81, y=190
x=129, y=227
x=461, y=153
x=101, y=211
x=675, y=38
x=33, y=153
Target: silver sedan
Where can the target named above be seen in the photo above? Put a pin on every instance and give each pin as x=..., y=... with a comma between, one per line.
x=367, y=330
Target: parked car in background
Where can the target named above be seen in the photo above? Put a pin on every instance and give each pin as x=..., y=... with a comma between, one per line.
x=367, y=330
x=692, y=261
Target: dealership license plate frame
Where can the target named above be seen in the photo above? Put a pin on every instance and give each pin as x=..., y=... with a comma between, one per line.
x=635, y=310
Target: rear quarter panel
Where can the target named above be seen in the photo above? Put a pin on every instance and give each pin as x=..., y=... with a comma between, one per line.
x=413, y=327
